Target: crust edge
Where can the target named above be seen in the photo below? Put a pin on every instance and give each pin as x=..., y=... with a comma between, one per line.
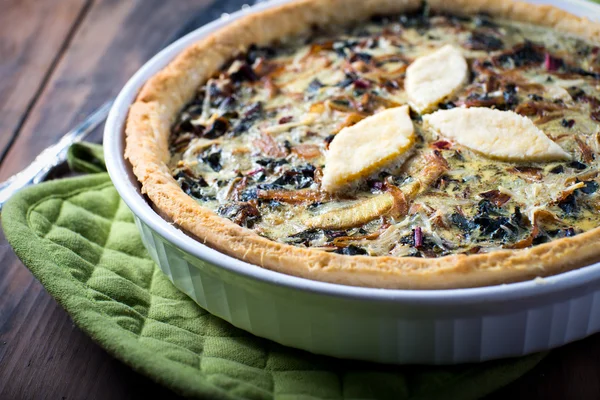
x=150, y=117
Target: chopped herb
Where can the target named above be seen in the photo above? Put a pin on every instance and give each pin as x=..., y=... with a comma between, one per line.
x=362, y=57
x=482, y=20
x=251, y=113
x=351, y=250
x=304, y=237
x=213, y=159
x=577, y=165
x=299, y=177
x=540, y=239
x=314, y=86
x=271, y=163
x=218, y=128
x=535, y=97
x=521, y=55
x=244, y=214
x=348, y=80
x=569, y=205
x=329, y=139
x=481, y=41
x=191, y=185
x=249, y=194
x=255, y=52
x=447, y=105
x=461, y=222
x=589, y=188
x=567, y=123
x=244, y=73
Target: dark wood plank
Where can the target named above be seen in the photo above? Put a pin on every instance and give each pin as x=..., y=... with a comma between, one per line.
x=42, y=355
x=30, y=45
x=114, y=40
x=570, y=372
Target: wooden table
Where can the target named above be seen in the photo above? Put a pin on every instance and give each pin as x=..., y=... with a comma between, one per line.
x=59, y=60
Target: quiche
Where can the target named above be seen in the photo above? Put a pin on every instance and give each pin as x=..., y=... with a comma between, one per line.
x=383, y=143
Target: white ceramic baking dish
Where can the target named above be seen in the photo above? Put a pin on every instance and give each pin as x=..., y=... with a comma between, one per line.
x=388, y=326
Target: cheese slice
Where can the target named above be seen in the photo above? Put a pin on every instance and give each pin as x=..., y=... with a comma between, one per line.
x=431, y=78
x=383, y=140
x=502, y=135
x=356, y=215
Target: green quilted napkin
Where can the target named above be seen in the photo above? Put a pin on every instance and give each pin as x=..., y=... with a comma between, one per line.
x=86, y=157
x=79, y=239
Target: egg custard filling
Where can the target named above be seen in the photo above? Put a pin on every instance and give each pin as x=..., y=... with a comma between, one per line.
x=418, y=135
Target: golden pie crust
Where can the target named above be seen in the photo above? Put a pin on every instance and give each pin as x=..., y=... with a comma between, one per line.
x=162, y=97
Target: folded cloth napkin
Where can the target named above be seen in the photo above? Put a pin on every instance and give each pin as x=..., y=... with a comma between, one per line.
x=79, y=239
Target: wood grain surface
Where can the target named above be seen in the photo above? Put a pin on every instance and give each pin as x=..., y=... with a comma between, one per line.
x=59, y=60
x=31, y=44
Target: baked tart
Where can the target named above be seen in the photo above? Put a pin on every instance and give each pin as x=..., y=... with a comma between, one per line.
x=383, y=143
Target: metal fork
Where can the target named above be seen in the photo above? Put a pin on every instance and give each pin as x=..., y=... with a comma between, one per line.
x=54, y=155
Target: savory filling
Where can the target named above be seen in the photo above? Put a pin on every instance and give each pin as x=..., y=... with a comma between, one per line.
x=253, y=145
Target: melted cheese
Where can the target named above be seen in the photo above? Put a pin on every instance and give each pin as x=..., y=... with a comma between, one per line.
x=278, y=130
x=432, y=78
x=375, y=143
x=503, y=135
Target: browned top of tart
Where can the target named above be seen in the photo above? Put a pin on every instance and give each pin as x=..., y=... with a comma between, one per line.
x=253, y=144
x=440, y=150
